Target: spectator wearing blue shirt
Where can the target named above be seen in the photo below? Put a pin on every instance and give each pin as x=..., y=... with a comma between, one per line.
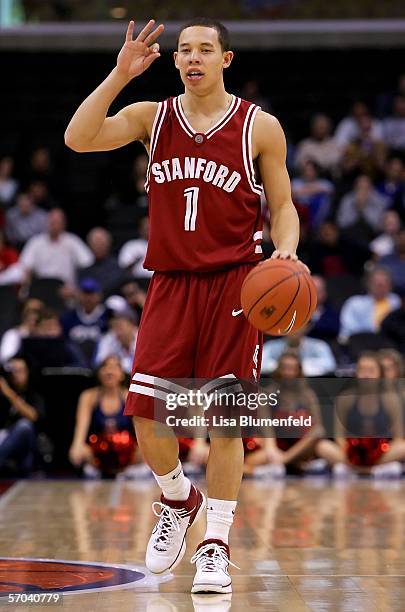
x=364, y=313
x=86, y=323
x=315, y=355
x=325, y=319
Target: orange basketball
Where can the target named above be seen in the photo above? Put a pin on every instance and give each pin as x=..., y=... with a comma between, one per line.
x=278, y=297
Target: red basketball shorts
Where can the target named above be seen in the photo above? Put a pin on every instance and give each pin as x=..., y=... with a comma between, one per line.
x=192, y=326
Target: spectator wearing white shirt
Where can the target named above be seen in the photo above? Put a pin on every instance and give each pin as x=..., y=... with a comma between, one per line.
x=363, y=204
x=349, y=128
x=320, y=147
x=384, y=244
x=24, y=220
x=132, y=254
x=120, y=341
x=56, y=253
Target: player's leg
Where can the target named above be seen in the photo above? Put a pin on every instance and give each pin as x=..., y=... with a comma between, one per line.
x=228, y=347
x=164, y=350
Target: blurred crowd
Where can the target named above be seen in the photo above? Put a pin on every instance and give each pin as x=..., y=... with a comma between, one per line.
x=75, y=302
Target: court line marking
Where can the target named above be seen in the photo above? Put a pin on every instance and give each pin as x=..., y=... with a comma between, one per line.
x=11, y=493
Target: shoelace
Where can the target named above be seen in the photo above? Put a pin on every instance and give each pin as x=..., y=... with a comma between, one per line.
x=169, y=523
x=212, y=562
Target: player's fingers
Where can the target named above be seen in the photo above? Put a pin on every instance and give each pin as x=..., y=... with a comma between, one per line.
x=146, y=31
x=275, y=254
x=130, y=31
x=150, y=59
x=154, y=35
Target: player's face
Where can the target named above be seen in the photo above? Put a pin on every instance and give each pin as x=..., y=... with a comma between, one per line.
x=200, y=58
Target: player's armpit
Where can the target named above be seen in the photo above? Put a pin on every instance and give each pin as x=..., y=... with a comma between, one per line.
x=133, y=122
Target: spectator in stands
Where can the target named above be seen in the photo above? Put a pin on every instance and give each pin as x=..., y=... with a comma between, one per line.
x=120, y=340
x=368, y=425
x=349, y=128
x=47, y=346
x=10, y=272
x=393, y=182
x=132, y=254
x=56, y=253
x=364, y=313
x=320, y=147
x=85, y=324
x=21, y=408
x=11, y=340
x=384, y=244
x=104, y=439
x=363, y=206
x=41, y=167
x=393, y=326
x=8, y=184
x=134, y=295
x=105, y=268
x=39, y=192
x=394, y=126
x=315, y=355
x=367, y=153
x=395, y=262
x=325, y=320
x=392, y=363
x=313, y=192
x=329, y=255
x=289, y=446
x=251, y=91
x=24, y=220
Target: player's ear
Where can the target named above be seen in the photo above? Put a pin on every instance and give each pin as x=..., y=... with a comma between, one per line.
x=228, y=57
x=175, y=59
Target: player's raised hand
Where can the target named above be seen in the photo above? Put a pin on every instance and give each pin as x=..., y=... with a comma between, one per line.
x=137, y=55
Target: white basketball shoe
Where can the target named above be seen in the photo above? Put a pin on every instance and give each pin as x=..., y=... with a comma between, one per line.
x=167, y=543
x=212, y=562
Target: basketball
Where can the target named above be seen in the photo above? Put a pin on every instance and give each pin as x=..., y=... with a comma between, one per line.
x=278, y=297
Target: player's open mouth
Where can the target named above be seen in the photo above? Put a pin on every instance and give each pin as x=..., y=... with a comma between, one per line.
x=194, y=75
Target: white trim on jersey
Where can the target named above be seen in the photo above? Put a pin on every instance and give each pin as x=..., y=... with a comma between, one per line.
x=188, y=128
x=156, y=381
x=184, y=124
x=156, y=127
x=150, y=391
x=247, y=149
x=232, y=110
x=226, y=379
x=258, y=249
x=251, y=164
x=257, y=235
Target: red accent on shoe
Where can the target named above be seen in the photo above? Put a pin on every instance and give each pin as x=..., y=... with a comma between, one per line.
x=219, y=542
x=191, y=504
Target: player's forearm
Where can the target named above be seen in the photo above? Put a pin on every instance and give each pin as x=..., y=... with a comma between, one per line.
x=90, y=116
x=285, y=227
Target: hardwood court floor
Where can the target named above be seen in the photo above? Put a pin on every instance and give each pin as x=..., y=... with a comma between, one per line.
x=307, y=544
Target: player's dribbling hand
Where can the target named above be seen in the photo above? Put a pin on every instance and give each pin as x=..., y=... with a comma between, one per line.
x=292, y=256
x=137, y=55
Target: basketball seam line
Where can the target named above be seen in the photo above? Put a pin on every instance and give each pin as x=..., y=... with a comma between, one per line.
x=288, y=307
x=251, y=275
x=271, y=289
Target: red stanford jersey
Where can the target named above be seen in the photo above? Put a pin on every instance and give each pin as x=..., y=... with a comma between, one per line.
x=204, y=200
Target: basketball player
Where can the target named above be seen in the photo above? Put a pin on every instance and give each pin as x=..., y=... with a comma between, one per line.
x=209, y=153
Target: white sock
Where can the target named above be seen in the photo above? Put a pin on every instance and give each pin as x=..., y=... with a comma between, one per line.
x=174, y=484
x=220, y=515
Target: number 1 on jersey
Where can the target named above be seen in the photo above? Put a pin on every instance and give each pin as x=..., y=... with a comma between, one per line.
x=191, y=195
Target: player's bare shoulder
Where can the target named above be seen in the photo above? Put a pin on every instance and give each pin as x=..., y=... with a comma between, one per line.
x=268, y=135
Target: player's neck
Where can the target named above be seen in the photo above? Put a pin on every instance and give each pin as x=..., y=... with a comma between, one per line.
x=209, y=104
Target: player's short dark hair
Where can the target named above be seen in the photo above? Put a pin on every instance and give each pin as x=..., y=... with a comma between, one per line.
x=223, y=34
